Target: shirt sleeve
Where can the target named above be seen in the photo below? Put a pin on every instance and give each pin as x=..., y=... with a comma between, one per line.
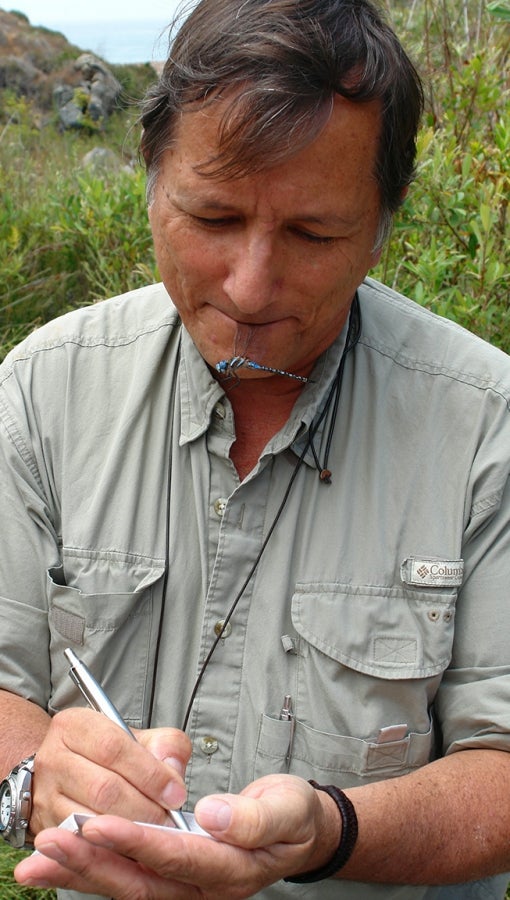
x=28, y=548
x=474, y=698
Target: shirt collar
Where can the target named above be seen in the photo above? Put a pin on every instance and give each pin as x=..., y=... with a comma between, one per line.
x=200, y=392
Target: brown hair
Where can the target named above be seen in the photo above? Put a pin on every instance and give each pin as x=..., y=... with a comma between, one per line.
x=282, y=62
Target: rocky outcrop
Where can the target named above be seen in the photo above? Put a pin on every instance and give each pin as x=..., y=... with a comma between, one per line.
x=92, y=100
x=32, y=59
x=44, y=67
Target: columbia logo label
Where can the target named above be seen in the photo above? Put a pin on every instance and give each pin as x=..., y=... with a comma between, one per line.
x=432, y=572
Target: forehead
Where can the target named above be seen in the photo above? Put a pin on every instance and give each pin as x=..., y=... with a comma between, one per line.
x=341, y=160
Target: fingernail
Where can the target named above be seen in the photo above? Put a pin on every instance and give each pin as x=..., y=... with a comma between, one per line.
x=215, y=815
x=173, y=796
x=34, y=882
x=95, y=836
x=52, y=851
x=175, y=764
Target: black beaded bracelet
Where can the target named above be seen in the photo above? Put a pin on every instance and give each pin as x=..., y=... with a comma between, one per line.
x=347, y=841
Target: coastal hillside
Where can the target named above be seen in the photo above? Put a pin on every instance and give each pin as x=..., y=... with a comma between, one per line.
x=37, y=63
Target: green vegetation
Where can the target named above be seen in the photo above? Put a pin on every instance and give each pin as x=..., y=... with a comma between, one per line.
x=451, y=243
x=72, y=235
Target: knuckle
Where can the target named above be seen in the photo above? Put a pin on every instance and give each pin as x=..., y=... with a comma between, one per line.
x=104, y=792
x=110, y=745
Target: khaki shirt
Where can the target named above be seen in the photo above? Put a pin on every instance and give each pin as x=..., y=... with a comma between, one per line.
x=379, y=603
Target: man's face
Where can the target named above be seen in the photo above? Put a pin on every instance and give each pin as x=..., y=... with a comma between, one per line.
x=266, y=266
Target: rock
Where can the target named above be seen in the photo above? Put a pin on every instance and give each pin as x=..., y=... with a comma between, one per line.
x=92, y=100
x=101, y=159
x=103, y=86
x=71, y=115
x=18, y=74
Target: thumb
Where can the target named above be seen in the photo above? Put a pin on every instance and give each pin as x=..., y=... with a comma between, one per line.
x=271, y=810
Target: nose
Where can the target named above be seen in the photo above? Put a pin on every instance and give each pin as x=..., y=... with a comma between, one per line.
x=253, y=276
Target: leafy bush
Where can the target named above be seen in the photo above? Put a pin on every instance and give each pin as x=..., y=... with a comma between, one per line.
x=70, y=234
x=450, y=246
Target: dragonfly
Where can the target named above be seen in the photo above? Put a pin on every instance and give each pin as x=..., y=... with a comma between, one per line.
x=228, y=367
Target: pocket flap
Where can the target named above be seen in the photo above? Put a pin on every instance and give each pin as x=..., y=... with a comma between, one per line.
x=383, y=631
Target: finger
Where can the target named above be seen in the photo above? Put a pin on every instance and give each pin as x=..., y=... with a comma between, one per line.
x=95, y=789
x=108, y=746
x=89, y=761
x=218, y=870
x=67, y=861
x=170, y=745
x=181, y=857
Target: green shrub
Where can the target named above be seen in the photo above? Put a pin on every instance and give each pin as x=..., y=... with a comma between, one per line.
x=70, y=235
x=450, y=246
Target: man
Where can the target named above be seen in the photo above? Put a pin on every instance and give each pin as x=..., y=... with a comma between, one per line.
x=274, y=516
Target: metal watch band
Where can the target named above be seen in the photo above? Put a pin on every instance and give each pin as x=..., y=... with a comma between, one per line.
x=16, y=804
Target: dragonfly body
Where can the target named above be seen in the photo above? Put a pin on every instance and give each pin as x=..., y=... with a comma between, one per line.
x=228, y=368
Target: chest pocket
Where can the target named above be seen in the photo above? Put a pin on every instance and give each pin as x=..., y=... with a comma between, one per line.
x=368, y=664
x=113, y=630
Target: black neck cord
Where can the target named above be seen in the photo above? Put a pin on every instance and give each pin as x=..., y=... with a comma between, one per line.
x=353, y=335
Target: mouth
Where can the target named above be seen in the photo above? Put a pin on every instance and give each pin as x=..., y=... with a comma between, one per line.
x=243, y=348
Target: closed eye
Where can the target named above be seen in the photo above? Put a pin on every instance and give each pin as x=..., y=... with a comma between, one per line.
x=313, y=238
x=219, y=222
x=215, y=222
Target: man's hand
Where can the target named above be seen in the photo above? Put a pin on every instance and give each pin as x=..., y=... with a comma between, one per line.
x=88, y=763
x=278, y=826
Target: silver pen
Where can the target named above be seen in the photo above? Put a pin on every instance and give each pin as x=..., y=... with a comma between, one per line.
x=287, y=715
x=98, y=700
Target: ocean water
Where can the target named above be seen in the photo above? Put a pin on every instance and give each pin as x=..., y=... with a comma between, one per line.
x=119, y=41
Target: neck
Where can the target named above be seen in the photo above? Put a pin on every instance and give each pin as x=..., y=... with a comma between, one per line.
x=261, y=407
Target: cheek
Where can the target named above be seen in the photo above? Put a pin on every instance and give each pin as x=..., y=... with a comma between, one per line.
x=179, y=251
x=191, y=273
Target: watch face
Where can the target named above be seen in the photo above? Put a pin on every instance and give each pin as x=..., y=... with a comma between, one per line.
x=5, y=805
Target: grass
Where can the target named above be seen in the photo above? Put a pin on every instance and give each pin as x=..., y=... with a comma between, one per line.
x=9, y=889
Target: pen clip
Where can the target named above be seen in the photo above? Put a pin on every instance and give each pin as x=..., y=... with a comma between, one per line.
x=287, y=715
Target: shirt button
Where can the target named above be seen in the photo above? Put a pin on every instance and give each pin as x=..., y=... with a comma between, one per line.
x=227, y=631
x=220, y=505
x=208, y=744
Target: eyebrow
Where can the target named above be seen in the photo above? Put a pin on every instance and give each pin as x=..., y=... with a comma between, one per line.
x=329, y=219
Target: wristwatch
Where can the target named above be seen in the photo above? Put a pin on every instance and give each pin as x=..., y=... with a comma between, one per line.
x=16, y=804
